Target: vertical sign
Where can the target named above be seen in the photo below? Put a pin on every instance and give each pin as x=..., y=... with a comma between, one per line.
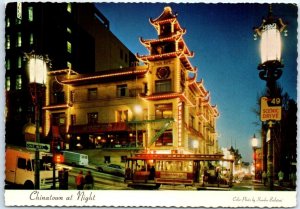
x=19, y=10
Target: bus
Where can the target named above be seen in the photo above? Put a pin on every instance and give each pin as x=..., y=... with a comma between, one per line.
x=154, y=170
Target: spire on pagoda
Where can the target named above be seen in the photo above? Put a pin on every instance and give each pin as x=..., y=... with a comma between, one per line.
x=170, y=43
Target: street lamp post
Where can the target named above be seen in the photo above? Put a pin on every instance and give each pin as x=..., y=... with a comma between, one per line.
x=37, y=66
x=254, y=146
x=270, y=67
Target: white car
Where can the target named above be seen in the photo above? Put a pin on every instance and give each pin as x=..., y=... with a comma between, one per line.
x=112, y=169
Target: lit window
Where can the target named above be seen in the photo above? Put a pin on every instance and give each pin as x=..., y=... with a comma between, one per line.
x=162, y=86
x=19, y=40
x=69, y=30
x=69, y=7
x=19, y=62
x=30, y=14
x=7, y=83
x=18, y=21
x=19, y=82
x=93, y=118
x=69, y=65
x=7, y=64
x=7, y=45
x=122, y=90
x=69, y=47
x=7, y=22
x=163, y=111
x=31, y=39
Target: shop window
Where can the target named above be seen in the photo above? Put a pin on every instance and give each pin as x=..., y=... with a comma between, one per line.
x=163, y=111
x=92, y=118
x=92, y=93
x=122, y=90
x=162, y=86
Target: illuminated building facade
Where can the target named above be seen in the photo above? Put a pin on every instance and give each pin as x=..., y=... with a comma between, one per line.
x=158, y=107
x=73, y=35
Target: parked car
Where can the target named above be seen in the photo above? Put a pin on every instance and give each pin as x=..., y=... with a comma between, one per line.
x=112, y=169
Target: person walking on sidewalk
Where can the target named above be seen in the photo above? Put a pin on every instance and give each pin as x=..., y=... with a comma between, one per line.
x=79, y=180
x=89, y=181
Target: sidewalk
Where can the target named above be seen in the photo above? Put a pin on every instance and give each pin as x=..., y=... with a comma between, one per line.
x=276, y=187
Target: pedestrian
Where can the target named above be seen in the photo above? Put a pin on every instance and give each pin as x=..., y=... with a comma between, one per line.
x=79, y=180
x=152, y=173
x=89, y=181
x=280, y=177
x=264, y=177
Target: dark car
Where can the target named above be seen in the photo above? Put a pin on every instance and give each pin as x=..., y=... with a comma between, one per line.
x=112, y=169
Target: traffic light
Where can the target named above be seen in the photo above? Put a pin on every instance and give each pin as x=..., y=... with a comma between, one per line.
x=58, y=158
x=57, y=145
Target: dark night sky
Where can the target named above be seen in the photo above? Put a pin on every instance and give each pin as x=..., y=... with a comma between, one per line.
x=226, y=55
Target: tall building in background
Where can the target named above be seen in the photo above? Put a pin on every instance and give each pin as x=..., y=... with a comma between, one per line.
x=74, y=36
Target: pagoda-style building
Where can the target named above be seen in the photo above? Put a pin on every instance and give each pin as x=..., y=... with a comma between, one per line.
x=157, y=107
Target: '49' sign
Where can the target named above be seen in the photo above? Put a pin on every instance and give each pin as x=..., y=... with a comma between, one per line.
x=270, y=108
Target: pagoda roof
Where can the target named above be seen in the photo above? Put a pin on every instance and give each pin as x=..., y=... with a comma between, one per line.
x=104, y=76
x=183, y=58
x=166, y=16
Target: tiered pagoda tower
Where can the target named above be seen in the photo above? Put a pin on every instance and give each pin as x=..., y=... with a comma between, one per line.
x=173, y=90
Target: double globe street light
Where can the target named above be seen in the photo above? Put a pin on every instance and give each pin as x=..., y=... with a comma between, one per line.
x=37, y=69
x=270, y=68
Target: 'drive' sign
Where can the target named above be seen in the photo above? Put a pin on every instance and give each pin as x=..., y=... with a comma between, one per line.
x=270, y=109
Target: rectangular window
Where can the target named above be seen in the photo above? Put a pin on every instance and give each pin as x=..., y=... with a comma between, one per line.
x=92, y=94
x=72, y=96
x=19, y=10
x=30, y=14
x=165, y=139
x=7, y=64
x=19, y=40
x=7, y=43
x=191, y=121
x=22, y=163
x=31, y=39
x=69, y=47
x=126, y=57
x=7, y=83
x=58, y=119
x=122, y=90
x=7, y=22
x=163, y=86
x=19, y=82
x=69, y=30
x=18, y=21
x=69, y=7
x=19, y=62
x=69, y=65
x=163, y=111
x=123, y=158
x=92, y=118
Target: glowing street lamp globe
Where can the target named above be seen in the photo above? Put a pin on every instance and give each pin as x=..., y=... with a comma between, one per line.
x=37, y=70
